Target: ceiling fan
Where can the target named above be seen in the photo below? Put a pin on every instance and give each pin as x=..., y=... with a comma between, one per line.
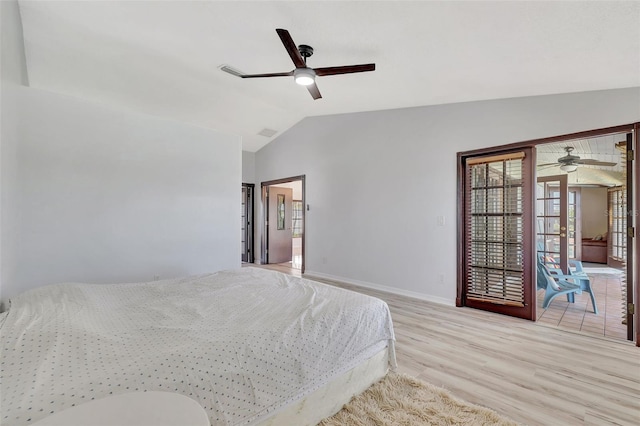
x=303, y=74
x=569, y=163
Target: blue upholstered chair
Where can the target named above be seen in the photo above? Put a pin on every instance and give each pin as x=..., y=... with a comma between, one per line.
x=554, y=287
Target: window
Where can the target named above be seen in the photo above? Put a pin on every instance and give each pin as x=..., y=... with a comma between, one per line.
x=573, y=226
x=296, y=218
x=618, y=222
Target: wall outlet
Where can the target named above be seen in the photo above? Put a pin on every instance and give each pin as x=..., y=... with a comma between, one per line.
x=156, y=277
x=324, y=260
x=441, y=278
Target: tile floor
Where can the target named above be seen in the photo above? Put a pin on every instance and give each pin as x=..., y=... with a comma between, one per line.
x=606, y=283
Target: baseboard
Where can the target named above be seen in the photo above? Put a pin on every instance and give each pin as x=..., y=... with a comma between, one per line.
x=387, y=289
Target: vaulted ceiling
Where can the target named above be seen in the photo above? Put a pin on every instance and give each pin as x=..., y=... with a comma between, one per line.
x=163, y=57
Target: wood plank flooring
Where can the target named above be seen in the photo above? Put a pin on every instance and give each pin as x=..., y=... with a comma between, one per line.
x=534, y=374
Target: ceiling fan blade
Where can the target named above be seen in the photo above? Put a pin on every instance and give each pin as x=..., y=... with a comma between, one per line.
x=313, y=89
x=233, y=71
x=590, y=162
x=291, y=47
x=346, y=69
x=548, y=164
x=273, y=74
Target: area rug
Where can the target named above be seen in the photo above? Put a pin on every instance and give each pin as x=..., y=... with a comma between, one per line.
x=399, y=399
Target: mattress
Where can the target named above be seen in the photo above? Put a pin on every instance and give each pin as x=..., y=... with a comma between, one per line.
x=330, y=398
x=245, y=343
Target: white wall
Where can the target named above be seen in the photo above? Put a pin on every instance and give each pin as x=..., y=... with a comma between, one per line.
x=112, y=196
x=377, y=181
x=248, y=167
x=295, y=186
x=93, y=194
x=593, y=202
x=13, y=74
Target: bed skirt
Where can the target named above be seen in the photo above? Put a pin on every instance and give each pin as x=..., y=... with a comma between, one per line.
x=330, y=398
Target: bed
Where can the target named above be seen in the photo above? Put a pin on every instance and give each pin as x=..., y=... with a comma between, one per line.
x=251, y=346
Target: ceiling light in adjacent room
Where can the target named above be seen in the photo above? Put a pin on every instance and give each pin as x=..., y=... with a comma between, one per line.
x=569, y=168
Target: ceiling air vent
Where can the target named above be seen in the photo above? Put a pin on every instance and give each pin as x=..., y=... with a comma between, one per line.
x=267, y=132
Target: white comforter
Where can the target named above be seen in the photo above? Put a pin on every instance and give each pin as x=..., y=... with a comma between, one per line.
x=242, y=343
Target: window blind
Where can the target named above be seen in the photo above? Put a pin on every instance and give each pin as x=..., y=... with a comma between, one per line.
x=618, y=222
x=495, y=231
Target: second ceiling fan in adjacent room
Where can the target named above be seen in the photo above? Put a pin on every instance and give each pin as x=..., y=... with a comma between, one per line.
x=569, y=163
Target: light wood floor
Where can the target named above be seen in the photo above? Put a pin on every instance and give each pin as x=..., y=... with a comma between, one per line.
x=534, y=374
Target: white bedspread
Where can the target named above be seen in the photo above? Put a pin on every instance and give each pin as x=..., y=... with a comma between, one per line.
x=243, y=343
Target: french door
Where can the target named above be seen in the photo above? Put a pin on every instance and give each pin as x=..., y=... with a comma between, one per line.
x=497, y=271
x=554, y=232
x=629, y=256
x=499, y=274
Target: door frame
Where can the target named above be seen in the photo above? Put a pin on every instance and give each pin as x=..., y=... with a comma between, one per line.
x=633, y=128
x=264, y=240
x=249, y=213
x=634, y=215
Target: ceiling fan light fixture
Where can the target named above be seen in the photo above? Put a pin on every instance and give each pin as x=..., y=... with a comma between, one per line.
x=569, y=168
x=304, y=76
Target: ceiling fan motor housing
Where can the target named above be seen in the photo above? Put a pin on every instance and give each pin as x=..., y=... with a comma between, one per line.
x=305, y=51
x=568, y=159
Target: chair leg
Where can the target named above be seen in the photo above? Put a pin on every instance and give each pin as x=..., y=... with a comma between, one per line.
x=548, y=297
x=593, y=300
x=586, y=286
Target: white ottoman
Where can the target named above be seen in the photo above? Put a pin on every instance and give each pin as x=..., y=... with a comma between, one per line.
x=132, y=409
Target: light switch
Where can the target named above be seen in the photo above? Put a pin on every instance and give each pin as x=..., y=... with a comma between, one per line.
x=440, y=220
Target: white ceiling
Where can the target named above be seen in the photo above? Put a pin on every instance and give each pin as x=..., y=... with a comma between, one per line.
x=162, y=57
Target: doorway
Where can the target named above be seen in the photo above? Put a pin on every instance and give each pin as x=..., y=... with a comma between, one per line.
x=482, y=245
x=582, y=230
x=246, y=223
x=283, y=210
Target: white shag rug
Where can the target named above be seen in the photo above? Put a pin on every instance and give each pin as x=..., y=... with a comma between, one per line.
x=399, y=399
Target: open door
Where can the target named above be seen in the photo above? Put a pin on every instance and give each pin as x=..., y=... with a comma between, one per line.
x=279, y=223
x=630, y=256
x=279, y=226
x=497, y=269
x=621, y=235
x=553, y=229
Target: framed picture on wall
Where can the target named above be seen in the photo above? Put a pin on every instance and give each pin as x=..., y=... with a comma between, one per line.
x=280, y=212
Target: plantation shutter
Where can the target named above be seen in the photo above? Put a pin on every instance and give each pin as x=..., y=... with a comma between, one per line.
x=496, y=221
